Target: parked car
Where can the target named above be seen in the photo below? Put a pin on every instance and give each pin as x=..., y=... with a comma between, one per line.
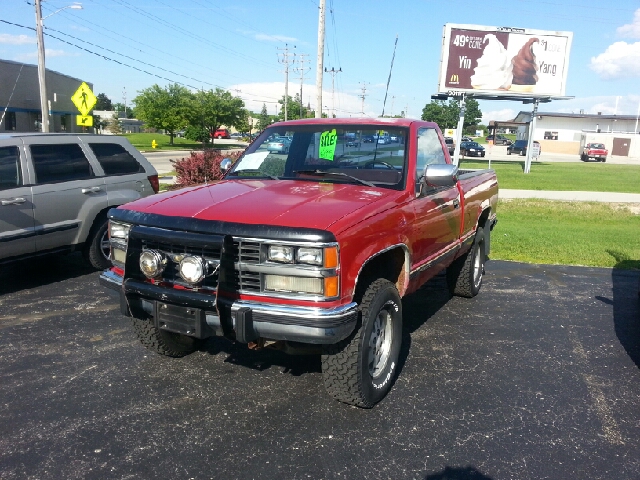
x=471, y=149
x=451, y=145
x=597, y=151
x=236, y=135
x=279, y=145
x=520, y=147
x=466, y=139
x=222, y=133
x=499, y=140
x=56, y=189
x=352, y=143
x=368, y=139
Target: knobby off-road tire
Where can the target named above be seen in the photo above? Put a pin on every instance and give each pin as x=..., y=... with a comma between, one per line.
x=361, y=369
x=165, y=343
x=464, y=275
x=96, y=250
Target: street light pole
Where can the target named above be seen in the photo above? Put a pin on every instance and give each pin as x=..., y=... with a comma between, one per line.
x=42, y=80
x=41, y=70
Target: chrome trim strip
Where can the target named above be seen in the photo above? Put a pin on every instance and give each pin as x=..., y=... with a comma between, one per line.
x=334, y=313
x=291, y=270
x=431, y=263
x=111, y=280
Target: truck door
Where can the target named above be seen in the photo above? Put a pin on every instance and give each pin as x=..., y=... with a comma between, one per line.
x=437, y=209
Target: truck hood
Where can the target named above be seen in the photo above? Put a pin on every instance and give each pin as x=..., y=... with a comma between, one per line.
x=269, y=202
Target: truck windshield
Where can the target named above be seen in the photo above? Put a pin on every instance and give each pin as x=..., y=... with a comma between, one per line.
x=328, y=153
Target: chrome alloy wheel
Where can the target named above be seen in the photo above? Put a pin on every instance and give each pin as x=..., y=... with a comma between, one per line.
x=477, y=269
x=380, y=343
x=105, y=246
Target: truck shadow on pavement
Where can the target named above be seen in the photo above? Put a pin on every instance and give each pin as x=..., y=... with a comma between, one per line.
x=626, y=305
x=458, y=473
x=417, y=309
x=37, y=272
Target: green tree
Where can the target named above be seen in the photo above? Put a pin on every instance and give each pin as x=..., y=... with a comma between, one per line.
x=294, y=107
x=164, y=108
x=212, y=109
x=103, y=102
x=264, y=120
x=447, y=115
x=114, y=125
x=243, y=124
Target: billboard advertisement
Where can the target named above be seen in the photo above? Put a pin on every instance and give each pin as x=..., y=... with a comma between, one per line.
x=504, y=61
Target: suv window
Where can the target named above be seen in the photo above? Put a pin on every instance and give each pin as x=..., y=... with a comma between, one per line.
x=114, y=159
x=60, y=163
x=9, y=168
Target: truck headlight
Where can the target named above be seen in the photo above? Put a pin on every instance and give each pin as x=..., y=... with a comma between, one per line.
x=152, y=263
x=311, y=256
x=280, y=253
x=192, y=269
x=281, y=283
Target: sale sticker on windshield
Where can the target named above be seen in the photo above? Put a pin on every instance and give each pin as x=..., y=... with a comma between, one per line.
x=328, y=141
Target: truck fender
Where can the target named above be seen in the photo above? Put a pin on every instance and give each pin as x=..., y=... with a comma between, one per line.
x=402, y=280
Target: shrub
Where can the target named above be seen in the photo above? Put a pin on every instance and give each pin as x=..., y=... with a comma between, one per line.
x=196, y=134
x=200, y=167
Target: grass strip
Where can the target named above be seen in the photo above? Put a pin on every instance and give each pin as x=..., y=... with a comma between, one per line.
x=589, y=177
x=568, y=233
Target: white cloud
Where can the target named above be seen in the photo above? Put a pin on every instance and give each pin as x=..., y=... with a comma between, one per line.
x=631, y=30
x=256, y=94
x=263, y=37
x=16, y=39
x=503, y=114
x=620, y=60
x=48, y=53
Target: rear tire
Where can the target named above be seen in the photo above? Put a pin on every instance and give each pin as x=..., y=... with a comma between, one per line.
x=165, y=343
x=464, y=275
x=361, y=369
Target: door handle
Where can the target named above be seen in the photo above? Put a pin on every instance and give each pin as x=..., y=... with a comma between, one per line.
x=91, y=190
x=13, y=201
x=456, y=203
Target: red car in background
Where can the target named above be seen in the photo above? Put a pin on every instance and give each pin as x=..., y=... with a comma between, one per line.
x=222, y=133
x=597, y=151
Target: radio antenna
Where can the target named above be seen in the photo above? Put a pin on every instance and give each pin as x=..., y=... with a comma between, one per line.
x=390, y=70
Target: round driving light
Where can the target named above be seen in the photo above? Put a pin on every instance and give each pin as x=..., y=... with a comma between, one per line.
x=192, y=269
x=151, y=263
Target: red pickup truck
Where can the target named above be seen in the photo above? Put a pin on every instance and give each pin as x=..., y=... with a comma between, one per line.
x=308, y=251
x=597, y=151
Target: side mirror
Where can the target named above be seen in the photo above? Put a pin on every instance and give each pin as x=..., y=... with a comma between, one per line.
x=225, y=165
x=440, y=175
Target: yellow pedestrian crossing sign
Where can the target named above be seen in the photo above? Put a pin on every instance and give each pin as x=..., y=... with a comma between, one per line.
x=84, y=99
x=84, y=120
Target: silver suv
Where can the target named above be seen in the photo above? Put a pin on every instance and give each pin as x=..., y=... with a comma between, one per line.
x=56, y=189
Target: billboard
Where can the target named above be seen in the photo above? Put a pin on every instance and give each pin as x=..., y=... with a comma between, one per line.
x=504, y=61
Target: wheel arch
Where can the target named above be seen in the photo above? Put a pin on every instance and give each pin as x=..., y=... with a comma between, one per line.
x=391, y=263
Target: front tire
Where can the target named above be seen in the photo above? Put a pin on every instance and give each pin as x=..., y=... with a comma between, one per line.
x=361, y=369
x=165, y=343
x=464, y=275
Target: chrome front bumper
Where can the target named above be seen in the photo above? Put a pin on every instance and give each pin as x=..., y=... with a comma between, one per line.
x=249, y=320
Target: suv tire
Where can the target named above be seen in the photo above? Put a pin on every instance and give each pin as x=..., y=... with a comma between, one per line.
x=96, y=250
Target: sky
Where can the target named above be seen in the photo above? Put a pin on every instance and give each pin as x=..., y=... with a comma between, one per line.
x=124, y=46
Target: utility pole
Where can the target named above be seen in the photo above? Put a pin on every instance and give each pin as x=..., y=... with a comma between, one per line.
x=363, y=95
x=41, y=69
x=319, y=68
x=285, y=61
x=333, y=73
x=301, y=70
x=124, y=100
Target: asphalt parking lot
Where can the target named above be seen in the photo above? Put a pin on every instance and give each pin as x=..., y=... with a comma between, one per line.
x=536, y=378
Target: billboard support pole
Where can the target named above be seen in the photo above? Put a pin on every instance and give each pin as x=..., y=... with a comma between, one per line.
x=456, y=152
x=532, y=128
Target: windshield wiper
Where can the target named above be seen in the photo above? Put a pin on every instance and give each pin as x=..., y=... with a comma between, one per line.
x=340, y=174
x=253, y=170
